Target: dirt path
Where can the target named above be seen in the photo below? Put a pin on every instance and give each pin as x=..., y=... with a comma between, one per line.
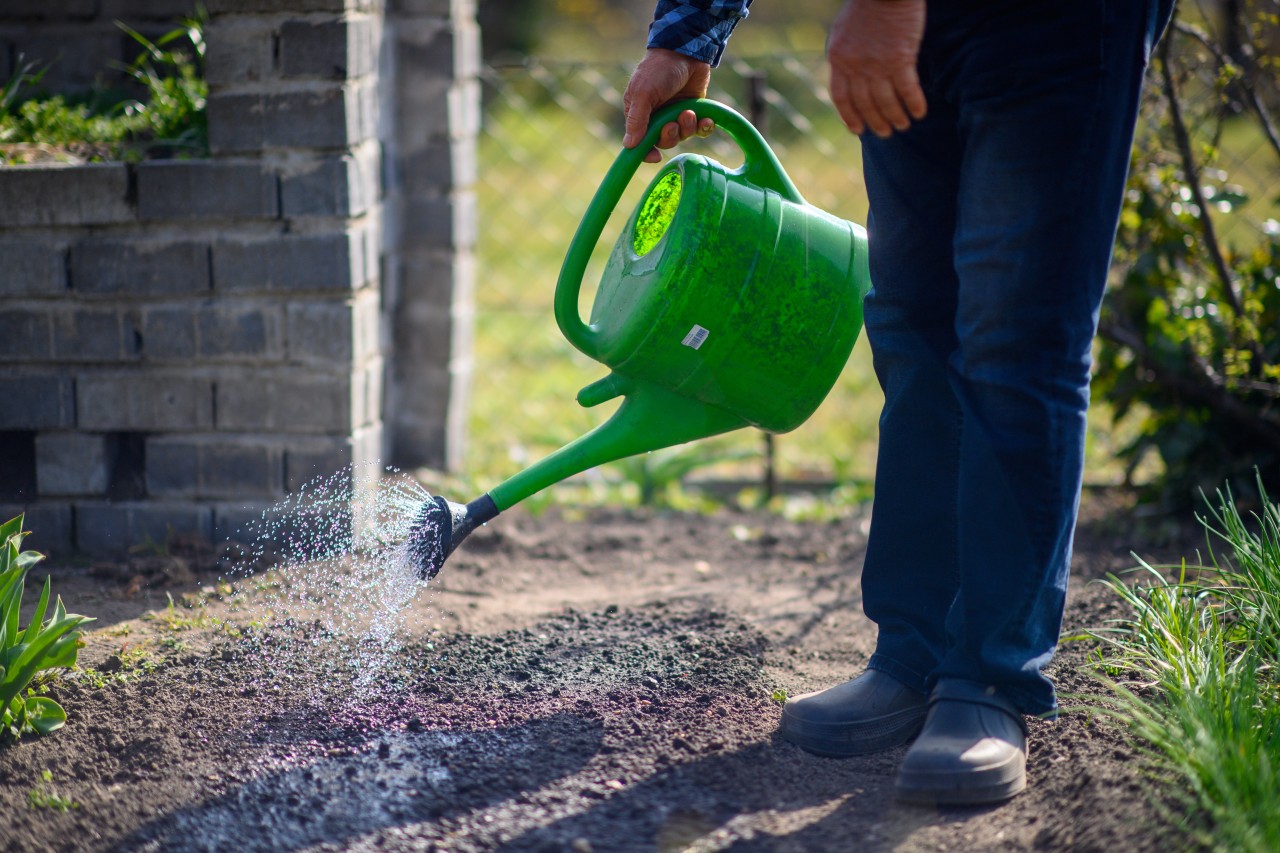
x=598, y=683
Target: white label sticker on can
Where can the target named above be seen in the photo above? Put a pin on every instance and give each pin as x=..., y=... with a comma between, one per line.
x=695, y=337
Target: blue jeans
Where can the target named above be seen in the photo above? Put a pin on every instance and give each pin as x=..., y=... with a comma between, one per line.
x=991, y=227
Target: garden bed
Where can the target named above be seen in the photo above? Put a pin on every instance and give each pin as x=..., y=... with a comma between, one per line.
x=601, y=682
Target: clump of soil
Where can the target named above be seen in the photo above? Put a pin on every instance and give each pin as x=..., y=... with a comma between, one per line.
x=598, y=684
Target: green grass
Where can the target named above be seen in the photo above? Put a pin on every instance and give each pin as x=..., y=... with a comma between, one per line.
x=1196, y=672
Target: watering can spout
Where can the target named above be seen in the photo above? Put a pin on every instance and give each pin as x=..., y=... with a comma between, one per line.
x=650, y=418
x=440, y=527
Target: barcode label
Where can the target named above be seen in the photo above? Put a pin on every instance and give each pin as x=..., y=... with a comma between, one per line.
x=695, y=337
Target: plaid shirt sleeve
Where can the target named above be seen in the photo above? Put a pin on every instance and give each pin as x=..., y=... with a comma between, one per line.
x=696, y=28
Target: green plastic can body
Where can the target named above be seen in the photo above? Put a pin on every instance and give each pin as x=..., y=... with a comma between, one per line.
x=733, y=295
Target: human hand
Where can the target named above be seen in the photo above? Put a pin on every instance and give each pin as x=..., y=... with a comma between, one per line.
x=661, y=77
x=872, y=50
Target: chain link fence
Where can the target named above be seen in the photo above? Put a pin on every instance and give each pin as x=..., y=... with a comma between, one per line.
x=552, y=129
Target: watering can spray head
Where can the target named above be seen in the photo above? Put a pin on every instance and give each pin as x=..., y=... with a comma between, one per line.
x=440, y=527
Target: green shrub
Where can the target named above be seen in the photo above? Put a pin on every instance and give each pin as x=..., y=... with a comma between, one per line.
x=43, y=646
x=1190, y=331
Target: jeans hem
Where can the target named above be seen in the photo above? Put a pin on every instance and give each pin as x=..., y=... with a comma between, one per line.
x=905, y=674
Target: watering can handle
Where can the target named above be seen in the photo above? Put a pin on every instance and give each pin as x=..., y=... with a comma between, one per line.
x=759, y=166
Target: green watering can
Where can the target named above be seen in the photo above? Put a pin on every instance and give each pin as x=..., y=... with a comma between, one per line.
x=728, y=301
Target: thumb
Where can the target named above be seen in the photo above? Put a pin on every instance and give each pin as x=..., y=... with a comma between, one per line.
x=637, y=108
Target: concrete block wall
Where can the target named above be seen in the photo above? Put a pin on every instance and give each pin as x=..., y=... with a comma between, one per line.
x=183, y=343
x=431, y=112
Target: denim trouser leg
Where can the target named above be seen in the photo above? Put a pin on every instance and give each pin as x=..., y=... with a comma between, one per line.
x=991, y=228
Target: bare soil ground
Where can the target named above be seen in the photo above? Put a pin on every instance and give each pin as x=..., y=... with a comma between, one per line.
x=580, y=682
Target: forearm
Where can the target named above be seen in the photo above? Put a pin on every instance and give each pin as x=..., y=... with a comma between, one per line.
x=696, y=28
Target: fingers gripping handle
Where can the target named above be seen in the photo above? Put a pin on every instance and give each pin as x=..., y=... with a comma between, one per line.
x=760, y=167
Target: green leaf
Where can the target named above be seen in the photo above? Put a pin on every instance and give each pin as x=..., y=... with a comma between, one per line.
x=33, y=627
x=11, y=528
x=27, y=559
x=10, y=603
x=44, y=715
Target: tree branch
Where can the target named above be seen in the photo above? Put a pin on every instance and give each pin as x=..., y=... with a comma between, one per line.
x=1248, y=90
x=1192, y=171
x=1204, y=388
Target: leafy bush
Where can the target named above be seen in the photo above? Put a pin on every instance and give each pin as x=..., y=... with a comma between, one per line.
x=1190, y=333
x=105, y=125
x=24, y=654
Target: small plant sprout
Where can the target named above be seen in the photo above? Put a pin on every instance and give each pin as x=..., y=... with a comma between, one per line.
x=44, y=645
x=779, y=695
x=191, y=616
x=43, y=797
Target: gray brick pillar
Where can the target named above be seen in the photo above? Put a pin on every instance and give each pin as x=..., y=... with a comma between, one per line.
x=184, y=343
x=293, y=88
x=431, y=117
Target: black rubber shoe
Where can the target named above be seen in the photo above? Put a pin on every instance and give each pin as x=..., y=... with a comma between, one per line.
x=971, y=751
x=871, y=713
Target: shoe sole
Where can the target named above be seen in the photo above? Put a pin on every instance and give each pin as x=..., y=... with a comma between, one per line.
x=844, y=740
x=968, y=790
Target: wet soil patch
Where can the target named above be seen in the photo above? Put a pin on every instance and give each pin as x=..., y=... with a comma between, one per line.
x=598, y=683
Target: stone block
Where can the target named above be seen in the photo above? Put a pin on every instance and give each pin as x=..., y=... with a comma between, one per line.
x=87, y=334
x=345, y=186
x=364, y=97
x=164, y=11
x=114, y=528
x=244, y=330
x=36, y=400
x=143, y=401
x=206, y=189
x=320, y=332
x=239, y=50
x=224, y=7
x=50, y=525
x=441, y=221
x=373, y=372
x=315, y=460
x=292, y=263
x=32, y=268
x=168, y=333
x=421, y=433
x=72, y=463
x=424, y=336
x=274, y=534
x=43, y=10
x=331, y=116
x=298, y=402
x=443, y=163
x=464, y=108
x=456, y=9
x=25, y=334
x=213, y=467
x=137, y=268
x=369, y=451
x=75, y=54
x=334, y=49
x=90, y=194
x=367, y=326
x=446, y=52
